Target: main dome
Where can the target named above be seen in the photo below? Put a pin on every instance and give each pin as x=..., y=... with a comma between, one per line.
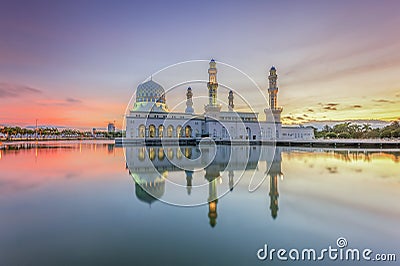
x=150, y=91
x=150, y=97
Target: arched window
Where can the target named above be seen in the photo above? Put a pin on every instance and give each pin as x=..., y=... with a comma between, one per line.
x=179, y=131
x=152, y=131
x=232, y=133
x=248, y=133
x=142, y=131
x=170, y=131
x=188, y=131
x=224, y=132
x=160, y=131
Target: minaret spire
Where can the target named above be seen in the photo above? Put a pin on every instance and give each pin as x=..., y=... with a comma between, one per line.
x=273, y=112
x=273, y=88
x=230, y=101
x=212, y=108
x=189, y=101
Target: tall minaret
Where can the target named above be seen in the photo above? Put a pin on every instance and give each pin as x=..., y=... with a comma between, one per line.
x=230, y=101
x=212, y=108
x=212, y=84
x=273, y=113
x=189, y=102
x=273, y=88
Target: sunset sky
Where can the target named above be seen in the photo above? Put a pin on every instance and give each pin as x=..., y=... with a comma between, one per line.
x=77, y=63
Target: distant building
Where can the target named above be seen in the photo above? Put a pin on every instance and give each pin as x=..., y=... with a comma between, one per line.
x=150, y=118
x=111, y=128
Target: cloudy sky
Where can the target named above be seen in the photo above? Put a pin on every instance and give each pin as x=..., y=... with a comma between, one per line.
x=77, y=63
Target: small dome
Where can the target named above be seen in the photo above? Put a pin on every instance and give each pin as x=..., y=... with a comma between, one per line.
x=149, y=194
x=273, y=68
x=149, y=186
x=150, y=91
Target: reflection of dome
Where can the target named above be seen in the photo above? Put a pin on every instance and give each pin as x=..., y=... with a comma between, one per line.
x=150, y=97
x=150, y=91
x=149, y=187
x=149, y=194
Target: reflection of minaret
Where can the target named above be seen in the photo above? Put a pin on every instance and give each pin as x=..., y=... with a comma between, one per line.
x=273, y=196
x=110, y=148
x=231, y=181
x=189, y=102
x=274, y=173
x=189, y=177
x=212, y=173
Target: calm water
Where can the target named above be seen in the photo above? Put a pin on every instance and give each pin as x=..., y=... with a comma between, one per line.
x=86, y=204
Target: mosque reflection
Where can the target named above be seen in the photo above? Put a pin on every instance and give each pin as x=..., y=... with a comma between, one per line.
x=151, y=167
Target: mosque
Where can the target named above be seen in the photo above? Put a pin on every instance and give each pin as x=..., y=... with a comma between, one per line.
x=151, y=120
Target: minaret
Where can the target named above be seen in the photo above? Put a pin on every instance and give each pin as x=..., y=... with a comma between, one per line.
x=273, y=88
x=212, y=84
x=212, y=108
x=273, y=112
x=189, y=102
x=230, y=101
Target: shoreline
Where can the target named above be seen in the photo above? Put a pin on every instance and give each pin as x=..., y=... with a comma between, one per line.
x=35, y=143
x=356, y=144
x=315, y=143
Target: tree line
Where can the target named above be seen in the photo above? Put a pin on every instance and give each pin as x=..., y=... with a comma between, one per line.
x=348, y=130
x=16, y=132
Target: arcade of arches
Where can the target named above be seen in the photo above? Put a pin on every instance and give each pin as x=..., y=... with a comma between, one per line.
x=151, y=131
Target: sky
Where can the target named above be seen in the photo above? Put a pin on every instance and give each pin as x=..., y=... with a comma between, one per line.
x=77, y=63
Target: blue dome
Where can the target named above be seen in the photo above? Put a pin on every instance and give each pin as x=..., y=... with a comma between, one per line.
x=150, y=91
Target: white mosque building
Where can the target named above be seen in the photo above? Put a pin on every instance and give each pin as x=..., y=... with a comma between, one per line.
x=150, y=119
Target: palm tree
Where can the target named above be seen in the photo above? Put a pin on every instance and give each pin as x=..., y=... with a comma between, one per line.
x=327, y=128
x=366, y=128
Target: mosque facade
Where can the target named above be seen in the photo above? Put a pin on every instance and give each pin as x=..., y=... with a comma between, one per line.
x=150, y=118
